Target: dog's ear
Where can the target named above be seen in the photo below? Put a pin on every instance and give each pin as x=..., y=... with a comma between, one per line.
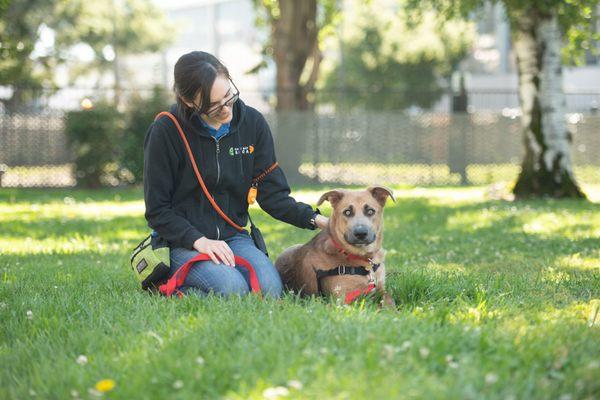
x=381, y=193
x=333, y=196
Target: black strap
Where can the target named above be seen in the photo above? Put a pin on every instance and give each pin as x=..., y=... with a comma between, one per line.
x=250, y=219
x=342, y=270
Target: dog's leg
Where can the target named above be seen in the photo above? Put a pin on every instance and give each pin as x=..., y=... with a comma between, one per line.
x=386, y=300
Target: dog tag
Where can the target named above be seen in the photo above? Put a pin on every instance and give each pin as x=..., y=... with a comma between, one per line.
x=252, y=193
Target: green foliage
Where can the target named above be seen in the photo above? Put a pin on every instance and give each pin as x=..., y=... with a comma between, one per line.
x=124, y=26
x=495, y=300
x=93, y=138
x=108, y=144
x=576, y=18
x=19, y=31
x=388, y=62
x=139, y=115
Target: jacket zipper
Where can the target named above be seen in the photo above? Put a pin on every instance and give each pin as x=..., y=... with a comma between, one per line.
x=217, y=157
x=218, y=148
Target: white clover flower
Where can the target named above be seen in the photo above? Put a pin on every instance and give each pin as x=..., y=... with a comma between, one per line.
x=491, y=378
x=82, y=360
x=178, y=384
x=29, y=314
x=199, y=360
x=95, y=393
x=389, y=350
x=451, y=362
x=295, y=384
x=424, y=351
x=275, y=392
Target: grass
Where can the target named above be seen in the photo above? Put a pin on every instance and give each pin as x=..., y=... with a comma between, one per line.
x=428, y=174
x=349, y=173
x=495, y=300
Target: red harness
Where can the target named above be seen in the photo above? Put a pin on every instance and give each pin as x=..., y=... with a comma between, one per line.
x=173, y=284
x=354, y=294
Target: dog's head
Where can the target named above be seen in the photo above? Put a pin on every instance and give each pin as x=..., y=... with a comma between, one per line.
x=357, y=217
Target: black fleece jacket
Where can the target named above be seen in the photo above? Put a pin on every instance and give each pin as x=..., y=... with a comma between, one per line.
x=176, y=207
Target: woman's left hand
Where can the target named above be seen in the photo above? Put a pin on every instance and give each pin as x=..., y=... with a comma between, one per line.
x=321, y=221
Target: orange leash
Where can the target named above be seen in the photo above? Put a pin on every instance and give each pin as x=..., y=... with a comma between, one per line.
x=253, y=192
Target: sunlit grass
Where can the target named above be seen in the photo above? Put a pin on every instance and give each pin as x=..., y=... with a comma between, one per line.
x=495, y=299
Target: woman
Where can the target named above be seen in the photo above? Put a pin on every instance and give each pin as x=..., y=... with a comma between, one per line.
x=232, y=144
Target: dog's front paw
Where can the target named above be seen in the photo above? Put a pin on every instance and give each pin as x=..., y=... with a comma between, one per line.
x=387, y=301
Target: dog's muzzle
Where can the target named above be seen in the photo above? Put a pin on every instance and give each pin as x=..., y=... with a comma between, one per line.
x=360, y=235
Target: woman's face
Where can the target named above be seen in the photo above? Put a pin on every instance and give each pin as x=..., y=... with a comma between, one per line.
x=220, y=95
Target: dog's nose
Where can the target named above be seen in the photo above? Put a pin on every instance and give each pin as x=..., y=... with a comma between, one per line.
x=360, y=232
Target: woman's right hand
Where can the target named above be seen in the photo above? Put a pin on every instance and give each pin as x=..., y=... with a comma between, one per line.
x=218, y=250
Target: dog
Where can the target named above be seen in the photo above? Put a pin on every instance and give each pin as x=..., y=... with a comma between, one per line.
x=346, y=259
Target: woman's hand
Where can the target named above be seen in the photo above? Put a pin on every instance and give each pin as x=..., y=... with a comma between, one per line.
x=218, y=250
x=321, y=221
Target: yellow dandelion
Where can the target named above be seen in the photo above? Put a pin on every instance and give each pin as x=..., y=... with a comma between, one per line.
x=105, y=385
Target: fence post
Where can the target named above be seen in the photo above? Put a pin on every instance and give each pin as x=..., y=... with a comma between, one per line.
x=290, y=144
x=458, y=143
x=3, y=169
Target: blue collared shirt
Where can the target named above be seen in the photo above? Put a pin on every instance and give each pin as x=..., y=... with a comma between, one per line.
x=216, y=133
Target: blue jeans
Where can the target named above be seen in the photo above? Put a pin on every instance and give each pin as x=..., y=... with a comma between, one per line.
x=205, y=277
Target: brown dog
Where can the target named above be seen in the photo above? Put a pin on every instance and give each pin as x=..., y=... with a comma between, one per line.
x=353, y=239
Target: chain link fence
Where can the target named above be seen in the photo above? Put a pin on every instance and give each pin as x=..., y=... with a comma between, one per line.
x=423, y=149
x=413, y=147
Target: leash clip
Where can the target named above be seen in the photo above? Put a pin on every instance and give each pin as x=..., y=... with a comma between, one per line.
x=371, y=263
x=371, y=277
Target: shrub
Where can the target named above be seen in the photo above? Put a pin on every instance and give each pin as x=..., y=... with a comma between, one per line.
x=92, y=135
x=139, y=115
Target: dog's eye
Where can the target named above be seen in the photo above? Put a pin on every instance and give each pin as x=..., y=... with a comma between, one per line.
x=347, y=212
x=369, y=212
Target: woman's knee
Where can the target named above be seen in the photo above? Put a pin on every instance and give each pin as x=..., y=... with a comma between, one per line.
x=270, y=281
x=217, y=278
x=237, y=286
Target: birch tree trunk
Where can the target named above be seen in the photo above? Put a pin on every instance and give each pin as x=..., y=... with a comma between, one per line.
x=547, y=168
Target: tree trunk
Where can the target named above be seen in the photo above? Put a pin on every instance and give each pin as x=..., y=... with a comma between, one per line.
x=547, y=168
x=295, y=34
x=297, y=56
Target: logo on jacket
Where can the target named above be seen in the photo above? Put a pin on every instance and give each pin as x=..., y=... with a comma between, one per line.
x=236, y=151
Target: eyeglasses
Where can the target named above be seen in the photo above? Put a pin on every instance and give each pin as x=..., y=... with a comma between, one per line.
x=211, y=112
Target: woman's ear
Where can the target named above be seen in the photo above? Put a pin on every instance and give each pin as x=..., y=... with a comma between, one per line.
x=333, y=196
x=191, y=104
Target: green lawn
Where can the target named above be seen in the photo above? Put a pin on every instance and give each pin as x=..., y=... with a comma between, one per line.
x=495, y=300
